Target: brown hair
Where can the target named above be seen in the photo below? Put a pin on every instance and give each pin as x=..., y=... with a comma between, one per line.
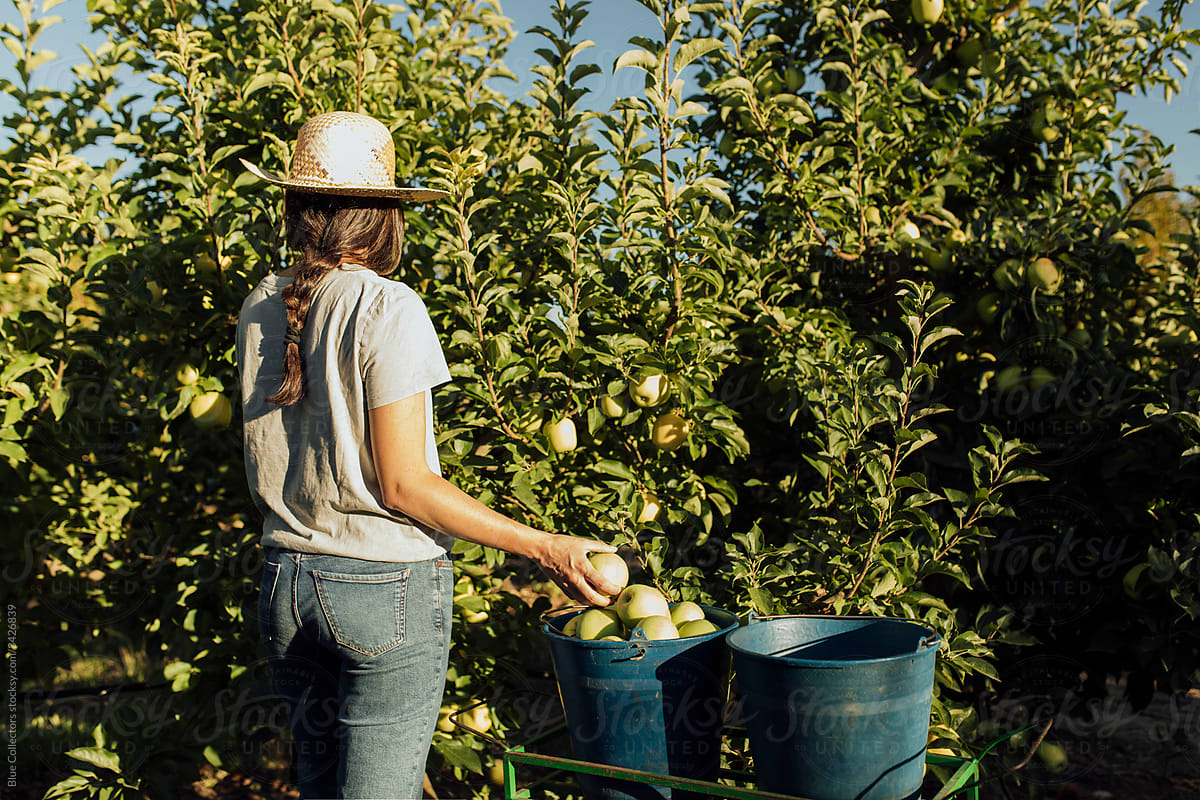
x=328, y=230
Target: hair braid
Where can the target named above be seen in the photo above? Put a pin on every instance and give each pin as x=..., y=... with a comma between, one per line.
x=329, y=230
x=297, y=299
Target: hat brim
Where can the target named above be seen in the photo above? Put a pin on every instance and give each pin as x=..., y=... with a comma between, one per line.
x=410, y=194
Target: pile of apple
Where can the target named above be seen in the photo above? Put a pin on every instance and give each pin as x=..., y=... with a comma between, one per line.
x=637, y=606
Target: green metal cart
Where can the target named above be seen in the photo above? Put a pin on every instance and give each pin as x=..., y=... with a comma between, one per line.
x=732, y=784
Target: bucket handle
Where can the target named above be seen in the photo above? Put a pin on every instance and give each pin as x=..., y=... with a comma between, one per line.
x=636, y=639
x=548, y=616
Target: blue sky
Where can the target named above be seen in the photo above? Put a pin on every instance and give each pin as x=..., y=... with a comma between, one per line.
x=610, y=25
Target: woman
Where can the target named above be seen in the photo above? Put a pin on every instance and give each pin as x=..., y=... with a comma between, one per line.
x=337, y=364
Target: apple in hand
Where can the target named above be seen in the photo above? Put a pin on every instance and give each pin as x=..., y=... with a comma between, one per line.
x=638, y=601
x=612, y=567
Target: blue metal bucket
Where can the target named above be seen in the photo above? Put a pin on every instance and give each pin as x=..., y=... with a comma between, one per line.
x=656, y=706
x=836, y=708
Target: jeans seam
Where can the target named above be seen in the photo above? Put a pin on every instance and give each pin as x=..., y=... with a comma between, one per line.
x=295, y=591
x=437, y=596
x=269, y=627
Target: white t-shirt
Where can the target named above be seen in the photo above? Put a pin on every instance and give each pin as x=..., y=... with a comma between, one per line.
x=367, y=342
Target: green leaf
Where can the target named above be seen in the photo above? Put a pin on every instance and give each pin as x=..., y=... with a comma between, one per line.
x=459, y=755
x=97, y=757
x=636, y=58
x=68, y=786
x=614, y=468
x=693, y=49
x=981, y=666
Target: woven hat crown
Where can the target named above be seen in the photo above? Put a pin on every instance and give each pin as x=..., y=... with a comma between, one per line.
x=341, y=152
x=344, y=149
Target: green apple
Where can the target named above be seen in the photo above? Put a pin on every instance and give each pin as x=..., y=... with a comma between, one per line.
x=572, y=626
x=988, y=307
x=794, y=77
x=651, y=508
x=1040, y=376
x=686, y=611
x=946, y=83
x=1044, y=275
x=561, y=434
x=927, y=12
x=1041, y=125
x=638, y=601
x=496, y=774
x=1053, y=755
x=650, y=389
x=955, y=239
x=970, y=52
x=612, y=567
x=444, y=724
x=1008, y=275
x=939, y=259
x=670, y=431
x=697, y=627
x=479, y=718
x=871, y=215
x=596, y=623
x=186, y=374
x=658, y=627
x=1009, y=378
x=909, y=230
x=611, y=406
x=211, y=410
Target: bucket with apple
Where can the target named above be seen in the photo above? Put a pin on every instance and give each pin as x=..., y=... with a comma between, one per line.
x=643, y=685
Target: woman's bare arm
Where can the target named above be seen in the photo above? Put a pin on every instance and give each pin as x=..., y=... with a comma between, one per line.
x=410, y=487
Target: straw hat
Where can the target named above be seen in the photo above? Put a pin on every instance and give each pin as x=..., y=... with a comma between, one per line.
x=345, y=153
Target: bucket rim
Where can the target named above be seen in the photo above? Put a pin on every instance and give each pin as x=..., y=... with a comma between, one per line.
x=926, y=645
x=565, y=614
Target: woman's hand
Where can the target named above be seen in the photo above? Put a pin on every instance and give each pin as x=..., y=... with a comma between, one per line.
x=564, y=559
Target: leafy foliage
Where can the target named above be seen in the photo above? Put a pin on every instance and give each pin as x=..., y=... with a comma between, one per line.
x=821, y=222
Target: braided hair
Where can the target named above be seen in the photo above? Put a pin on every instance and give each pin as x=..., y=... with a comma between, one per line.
x=327, y=230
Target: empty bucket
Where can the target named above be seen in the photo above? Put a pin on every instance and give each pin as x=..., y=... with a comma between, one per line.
x=656, y=706
x=836, y=708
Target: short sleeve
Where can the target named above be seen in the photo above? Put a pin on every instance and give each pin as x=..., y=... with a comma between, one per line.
x=399, y=350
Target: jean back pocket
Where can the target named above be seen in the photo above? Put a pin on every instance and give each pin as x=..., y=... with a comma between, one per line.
x=364, y=612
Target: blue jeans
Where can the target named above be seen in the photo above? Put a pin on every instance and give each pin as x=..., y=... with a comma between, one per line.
x=358, y=649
